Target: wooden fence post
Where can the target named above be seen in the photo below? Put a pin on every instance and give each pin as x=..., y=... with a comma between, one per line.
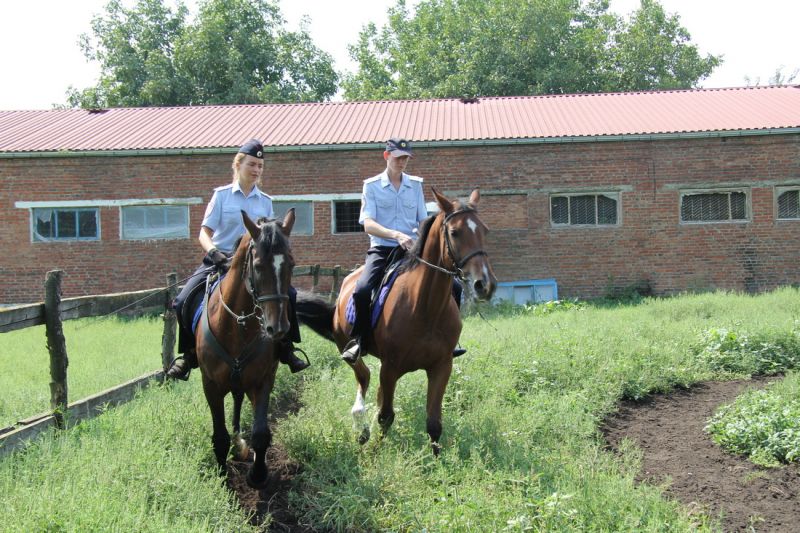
x=56, y=344
x=315, y=273
x=335, y=285
x=170, y=322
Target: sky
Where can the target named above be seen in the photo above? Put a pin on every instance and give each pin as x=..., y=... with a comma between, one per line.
x=40, y=56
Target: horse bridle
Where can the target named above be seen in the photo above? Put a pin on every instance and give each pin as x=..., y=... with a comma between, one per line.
x=252, y=288
x=459, y=263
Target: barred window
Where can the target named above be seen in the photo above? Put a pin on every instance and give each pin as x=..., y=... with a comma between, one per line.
x=303, y=215
x=64, y=224
x=585, y=209
x=788, y=203
x=704, y=206
x=346, y=215
x=155, y=222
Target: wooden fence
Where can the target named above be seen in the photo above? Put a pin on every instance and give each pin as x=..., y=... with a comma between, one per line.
x=53, y=311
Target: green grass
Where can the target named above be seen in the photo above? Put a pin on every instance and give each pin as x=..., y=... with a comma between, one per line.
x=521, y=446
x=765, y=424
x=102, y=354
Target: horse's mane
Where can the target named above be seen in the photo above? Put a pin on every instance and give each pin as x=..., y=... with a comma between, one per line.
x=415, y=252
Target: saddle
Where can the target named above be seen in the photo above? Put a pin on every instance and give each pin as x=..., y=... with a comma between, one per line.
x=379, y=293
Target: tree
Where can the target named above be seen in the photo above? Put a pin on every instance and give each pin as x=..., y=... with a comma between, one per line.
x=235, y=52
x=469, y=48
x=778, y=79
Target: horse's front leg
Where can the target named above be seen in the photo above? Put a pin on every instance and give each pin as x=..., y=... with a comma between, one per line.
x=260, y=436
x=438, y=377
x=220, y=437
x=240, y=449
x=358, y=411
x=385, y=401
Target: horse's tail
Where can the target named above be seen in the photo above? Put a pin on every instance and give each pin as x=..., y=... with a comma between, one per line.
x=317, y=313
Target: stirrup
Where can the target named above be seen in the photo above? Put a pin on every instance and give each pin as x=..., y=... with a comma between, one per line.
x=459, y=351
x=351, y=352
x=173, y=372
x=299, y=364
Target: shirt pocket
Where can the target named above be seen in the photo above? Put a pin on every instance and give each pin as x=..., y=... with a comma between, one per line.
x=385, y=206
x=410, y=210
x=231, y=216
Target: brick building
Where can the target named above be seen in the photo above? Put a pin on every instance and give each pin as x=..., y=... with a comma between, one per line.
x=678, y=190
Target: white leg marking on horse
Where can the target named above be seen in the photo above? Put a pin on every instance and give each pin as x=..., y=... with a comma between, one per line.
x=277, y=261
x=472, y=225
x=359, y=409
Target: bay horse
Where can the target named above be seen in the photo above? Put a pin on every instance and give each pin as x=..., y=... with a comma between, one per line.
x=420, y=323
x=244, y=314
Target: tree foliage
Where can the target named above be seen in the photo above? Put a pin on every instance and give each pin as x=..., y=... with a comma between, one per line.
x=469, y=48
x=235, y=52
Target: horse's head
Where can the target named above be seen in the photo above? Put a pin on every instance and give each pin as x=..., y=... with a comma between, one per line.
x=464, y=235
x=268, y=271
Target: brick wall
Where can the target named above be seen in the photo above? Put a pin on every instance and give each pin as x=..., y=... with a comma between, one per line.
x=649, y=244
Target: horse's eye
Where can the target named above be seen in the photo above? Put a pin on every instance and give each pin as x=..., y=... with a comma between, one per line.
x=454, y=233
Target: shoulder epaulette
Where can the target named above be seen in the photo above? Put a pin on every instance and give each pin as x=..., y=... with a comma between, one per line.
x=416, y=178
x=265, y=194
x=374, y=178
x=228, y=186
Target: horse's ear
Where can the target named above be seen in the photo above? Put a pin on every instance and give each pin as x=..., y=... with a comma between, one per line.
x=444, y=204
x=251, y=226
x=288, y=222
x=475, y=197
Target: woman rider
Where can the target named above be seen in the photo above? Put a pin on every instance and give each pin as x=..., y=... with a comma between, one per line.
x=222, y=225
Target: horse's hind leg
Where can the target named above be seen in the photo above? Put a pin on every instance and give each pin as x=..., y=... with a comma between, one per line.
x=260, y=438
x=359, y=407
x=240, y=449
x=437, y=383
x=220, y=437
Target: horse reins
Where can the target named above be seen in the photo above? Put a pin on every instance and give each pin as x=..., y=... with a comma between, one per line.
x=254, y=347
x=459, y=263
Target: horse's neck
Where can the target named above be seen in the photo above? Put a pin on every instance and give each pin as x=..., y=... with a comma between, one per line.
x=234, y=294
x=433, y=287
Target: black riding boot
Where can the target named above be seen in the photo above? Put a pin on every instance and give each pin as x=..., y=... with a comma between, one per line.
x=182, y=366
x=286, y=355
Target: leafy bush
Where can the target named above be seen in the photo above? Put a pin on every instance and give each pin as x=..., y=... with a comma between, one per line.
x=767, y=352
x=764, y=424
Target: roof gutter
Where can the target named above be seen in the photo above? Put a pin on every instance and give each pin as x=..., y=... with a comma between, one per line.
x=417, y=144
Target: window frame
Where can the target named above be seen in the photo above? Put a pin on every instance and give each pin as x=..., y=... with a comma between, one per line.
x=36, y=237
x=334, y=219
x=617, y=195
x=779, y=190
x=295, y=203
x=721, y=190
x=122, y=209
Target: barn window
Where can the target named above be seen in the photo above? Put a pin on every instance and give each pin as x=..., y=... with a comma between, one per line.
x=346, y=215
x=303, y=215
x=788, y=203
x=714, y=206
x=600, y=209
x=65, y=224
x=155, y=222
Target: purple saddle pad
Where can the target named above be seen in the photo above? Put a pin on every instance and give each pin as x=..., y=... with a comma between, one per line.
x=350, y=311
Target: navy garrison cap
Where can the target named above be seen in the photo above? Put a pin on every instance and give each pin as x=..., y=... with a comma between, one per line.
x=253, y=147
x=398, y=147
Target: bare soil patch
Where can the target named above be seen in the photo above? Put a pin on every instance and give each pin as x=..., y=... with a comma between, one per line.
x=680, y=455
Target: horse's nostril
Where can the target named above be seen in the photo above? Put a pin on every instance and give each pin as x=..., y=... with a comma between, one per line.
x=270, y=331
x=478, y=286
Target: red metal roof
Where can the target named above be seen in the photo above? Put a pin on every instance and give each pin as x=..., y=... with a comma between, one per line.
x=332, y=123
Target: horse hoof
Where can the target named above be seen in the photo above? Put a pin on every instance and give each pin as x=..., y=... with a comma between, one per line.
x=364, y=437
x=241, y=454
x=254, y=484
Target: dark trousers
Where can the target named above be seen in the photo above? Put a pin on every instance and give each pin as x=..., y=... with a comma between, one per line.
x=375, y=262
x=186, y=339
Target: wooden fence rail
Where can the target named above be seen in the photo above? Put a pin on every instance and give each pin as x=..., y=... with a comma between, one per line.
x=53, y=311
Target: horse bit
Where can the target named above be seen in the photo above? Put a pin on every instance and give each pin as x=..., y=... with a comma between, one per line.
x=458, y=273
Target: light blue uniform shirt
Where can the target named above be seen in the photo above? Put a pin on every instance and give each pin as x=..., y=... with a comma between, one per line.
x=224, y=217
x=400, y=210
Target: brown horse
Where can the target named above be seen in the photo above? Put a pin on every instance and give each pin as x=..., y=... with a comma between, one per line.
x=243, y=317
x=420, y=322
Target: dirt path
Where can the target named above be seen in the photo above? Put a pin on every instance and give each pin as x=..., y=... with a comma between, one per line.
x=669, y=430
x=678, y=454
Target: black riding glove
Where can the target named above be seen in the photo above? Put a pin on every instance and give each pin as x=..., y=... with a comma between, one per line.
x=218, y=259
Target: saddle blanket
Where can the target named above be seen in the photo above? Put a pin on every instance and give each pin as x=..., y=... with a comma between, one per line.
x=377, y=306
x=197, y=304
